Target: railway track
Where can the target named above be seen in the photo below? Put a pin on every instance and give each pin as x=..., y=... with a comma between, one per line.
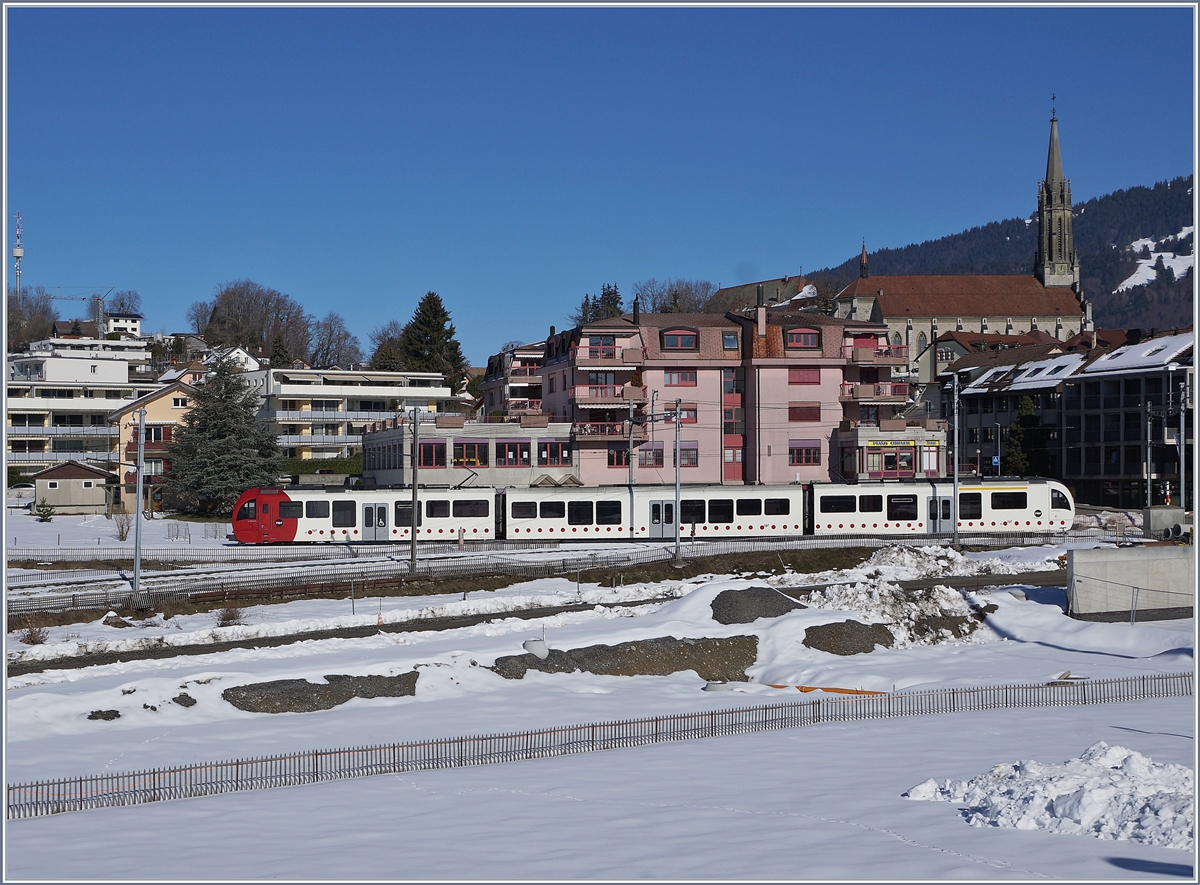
x=1057, y=578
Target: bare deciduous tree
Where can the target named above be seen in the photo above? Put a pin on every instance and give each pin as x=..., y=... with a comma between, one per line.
x=198, y=315
x=674, y=295
x=332, y=343
x=125, y=301
x=251, y=315
x=30, y=317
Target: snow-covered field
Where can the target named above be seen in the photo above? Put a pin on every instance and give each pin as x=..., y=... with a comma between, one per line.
x=819, y=802
x=1145, y=272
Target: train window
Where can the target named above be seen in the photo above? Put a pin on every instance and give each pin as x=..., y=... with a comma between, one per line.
x=901, y=507
x=524, y=509
x=691, y=512
x=266, y=508
x=1059, y=501
x=720, y=510
x=838, y=503
x=608, y=513
x=343, y=513
x=1009, y=500
x=778, y=507
x=404, y=513
x=749, y=507
x=246, y=511
x=291, y=510
x=553, y=510
x=437, y=509
x=970, y=505
x=870, y=503
x=474, y=508
x=579, y=512
x=316, y=509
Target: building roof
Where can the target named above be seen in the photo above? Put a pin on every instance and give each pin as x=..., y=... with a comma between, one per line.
x=123, y=315
x=975, y=341
x=157, y=393
x=1153, y=353
x=1027, y=375
x=1102, y=339
x=62, y=329
x=965, y=295
x=72, y=470
x=683, y=320
x=745, y=295
x=1010, y=357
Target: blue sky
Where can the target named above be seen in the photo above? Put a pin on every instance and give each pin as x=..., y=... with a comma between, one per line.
x=514, y=159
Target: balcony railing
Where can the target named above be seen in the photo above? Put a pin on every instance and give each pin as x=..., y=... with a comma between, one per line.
x=607, y=354
x=874, y=391
x=522, y=372
x=607, y=393
x=49, y=430
x=525, y=405
x=50, y=457
x=860, y=354
x=319, y=440
x=606, y=430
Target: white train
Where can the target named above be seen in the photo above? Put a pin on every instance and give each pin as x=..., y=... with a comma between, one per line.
x=298, y=515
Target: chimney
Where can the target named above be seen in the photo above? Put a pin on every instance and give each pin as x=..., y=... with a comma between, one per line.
x=761, y=316
x=551, y=331
x=760, y=295
x=637, y=315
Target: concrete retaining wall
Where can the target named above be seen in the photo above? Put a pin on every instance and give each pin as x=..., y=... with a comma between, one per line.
x=1107, y=583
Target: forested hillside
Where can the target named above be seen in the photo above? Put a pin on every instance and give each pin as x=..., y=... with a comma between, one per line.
x=1104, y=228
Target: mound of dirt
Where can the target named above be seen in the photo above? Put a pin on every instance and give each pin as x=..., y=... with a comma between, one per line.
x=302, y=696
x=105, y=714
x=848, y=637
x=748, y=605
x=714, y=660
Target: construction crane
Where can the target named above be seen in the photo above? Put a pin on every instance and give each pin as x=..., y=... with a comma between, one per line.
x=87, y=299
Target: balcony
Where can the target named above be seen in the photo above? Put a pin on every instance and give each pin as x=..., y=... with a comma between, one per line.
x=318, y=439
x=525, y=407
x=606, y=355
x=888, y=392
x=522, y=372
x=607, y=396
x=891, y=354
x=53, y=457
x=607, y=431
x=98, y=430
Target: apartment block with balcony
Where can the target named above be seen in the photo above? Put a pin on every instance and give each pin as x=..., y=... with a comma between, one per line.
x=512, y=383
x=529, y=451
x=60, y=394
x=321, y=413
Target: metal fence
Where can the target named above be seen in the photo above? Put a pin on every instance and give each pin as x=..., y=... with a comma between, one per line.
x=312, y=766
x=372, y=575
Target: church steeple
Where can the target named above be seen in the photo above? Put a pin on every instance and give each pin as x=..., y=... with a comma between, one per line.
x=862, y=262
x=1057, y=263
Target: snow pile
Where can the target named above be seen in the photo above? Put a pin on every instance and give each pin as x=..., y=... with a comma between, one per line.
x=900, y=563
x=915, y=617
x=1108, y=792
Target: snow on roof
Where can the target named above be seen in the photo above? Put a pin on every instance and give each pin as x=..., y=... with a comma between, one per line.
x=1032, y=375
x=1153, y=353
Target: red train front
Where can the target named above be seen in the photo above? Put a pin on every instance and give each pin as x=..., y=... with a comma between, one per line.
x=262, y=517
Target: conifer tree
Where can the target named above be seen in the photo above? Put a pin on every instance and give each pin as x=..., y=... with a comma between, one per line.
x=280, y=358
x=220, y=448
x=427, y=343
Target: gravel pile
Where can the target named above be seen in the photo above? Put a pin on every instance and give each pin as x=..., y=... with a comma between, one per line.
x=748, y=605
x=302, y=696
x=714, y=660
x=848, y=637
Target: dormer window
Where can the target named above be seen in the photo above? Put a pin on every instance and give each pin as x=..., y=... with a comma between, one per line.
x=808, y=338
x=680, y=339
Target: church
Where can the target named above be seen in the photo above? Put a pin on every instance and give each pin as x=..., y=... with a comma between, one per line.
x=918, y=308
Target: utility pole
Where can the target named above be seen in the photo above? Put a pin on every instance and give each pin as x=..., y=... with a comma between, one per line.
x=137, y=517
x=18, y=252
x=678, y=563
x=954, y=509
x=416, y=451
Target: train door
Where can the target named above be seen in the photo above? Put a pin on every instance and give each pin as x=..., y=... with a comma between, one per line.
x=662, y=519
x=375, y=522
x=941, y=514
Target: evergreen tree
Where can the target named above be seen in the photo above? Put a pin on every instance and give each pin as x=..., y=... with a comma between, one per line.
x=586, y=312
x=221, y=448
x=427, y=343
x=388, y=357
x=1025, y=451
x=279, y=352
x=608, y=304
